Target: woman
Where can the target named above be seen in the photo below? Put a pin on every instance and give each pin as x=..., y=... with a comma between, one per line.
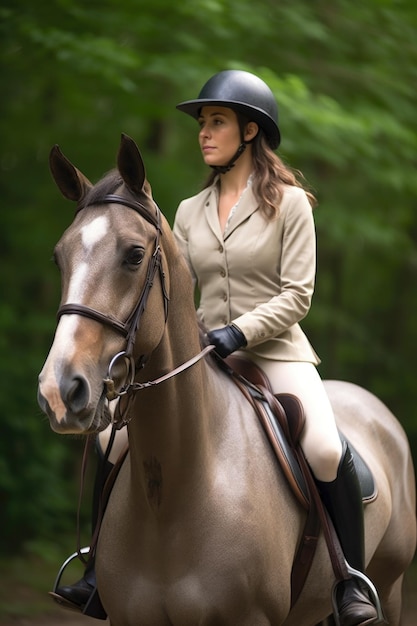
x=249, y=240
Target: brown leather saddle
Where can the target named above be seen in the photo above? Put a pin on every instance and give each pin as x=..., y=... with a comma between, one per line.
x=282, y=417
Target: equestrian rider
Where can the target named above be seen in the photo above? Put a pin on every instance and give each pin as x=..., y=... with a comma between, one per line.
x=249, y=240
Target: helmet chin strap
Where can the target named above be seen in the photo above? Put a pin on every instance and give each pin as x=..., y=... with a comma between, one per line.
x=222, y=169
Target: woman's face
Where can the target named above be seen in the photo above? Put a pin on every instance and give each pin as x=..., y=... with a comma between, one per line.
x=219, y=135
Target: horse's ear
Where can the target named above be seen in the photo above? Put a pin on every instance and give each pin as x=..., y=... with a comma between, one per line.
x=70, y=181
x=130, y=164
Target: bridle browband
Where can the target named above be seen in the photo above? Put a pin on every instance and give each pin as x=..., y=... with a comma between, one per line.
x=130, y=327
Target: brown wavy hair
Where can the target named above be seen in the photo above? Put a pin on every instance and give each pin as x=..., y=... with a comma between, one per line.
x=271, y=175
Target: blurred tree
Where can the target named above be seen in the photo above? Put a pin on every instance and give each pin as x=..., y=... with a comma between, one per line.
x=79, y=74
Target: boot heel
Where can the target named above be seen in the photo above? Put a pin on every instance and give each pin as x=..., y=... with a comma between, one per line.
x=94, y=607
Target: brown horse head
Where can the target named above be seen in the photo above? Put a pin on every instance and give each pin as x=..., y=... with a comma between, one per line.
x=105, y=258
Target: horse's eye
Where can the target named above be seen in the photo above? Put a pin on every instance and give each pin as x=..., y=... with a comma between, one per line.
x=134, y=256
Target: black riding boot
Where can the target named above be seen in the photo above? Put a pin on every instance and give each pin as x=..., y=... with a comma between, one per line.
x=343, y=500
x=81, y=593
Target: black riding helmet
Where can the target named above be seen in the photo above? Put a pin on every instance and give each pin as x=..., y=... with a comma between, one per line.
x=243, y=92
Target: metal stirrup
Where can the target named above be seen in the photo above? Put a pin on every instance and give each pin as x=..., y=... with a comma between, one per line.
x=372, y=590
x=67, y=561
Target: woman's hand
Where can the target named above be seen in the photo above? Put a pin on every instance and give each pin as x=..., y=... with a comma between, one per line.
x=227, y=339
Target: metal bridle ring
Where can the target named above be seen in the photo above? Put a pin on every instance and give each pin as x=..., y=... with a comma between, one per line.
x=111, y=393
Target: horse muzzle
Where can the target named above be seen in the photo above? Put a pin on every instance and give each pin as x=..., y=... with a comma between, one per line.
x=71, y=406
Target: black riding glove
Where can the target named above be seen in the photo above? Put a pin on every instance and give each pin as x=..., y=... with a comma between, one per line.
x=227, y=339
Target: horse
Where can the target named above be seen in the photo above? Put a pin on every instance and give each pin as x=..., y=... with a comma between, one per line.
x=201, y=526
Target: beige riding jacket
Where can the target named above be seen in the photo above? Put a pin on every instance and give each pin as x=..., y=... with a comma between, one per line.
x=260, y=274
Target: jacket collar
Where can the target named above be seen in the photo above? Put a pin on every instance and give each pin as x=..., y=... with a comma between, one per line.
x=248, y=204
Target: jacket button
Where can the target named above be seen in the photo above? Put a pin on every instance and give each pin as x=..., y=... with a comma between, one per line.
x=222, y=273
x=221, y=249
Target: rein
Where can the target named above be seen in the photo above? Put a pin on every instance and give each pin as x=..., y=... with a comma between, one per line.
x=112, y=394
x=121, y=415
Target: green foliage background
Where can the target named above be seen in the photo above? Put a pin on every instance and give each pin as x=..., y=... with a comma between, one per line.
x=80, y=73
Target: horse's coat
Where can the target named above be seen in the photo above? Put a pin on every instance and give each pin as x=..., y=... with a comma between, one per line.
x=201, y=528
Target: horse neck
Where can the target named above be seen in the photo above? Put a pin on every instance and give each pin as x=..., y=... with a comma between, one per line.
x=170, y=442
x=171, y=428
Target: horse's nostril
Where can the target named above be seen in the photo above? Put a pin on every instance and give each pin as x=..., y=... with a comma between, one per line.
x=75, y=392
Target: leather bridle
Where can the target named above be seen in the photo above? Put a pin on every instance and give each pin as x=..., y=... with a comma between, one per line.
x=130, y=327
